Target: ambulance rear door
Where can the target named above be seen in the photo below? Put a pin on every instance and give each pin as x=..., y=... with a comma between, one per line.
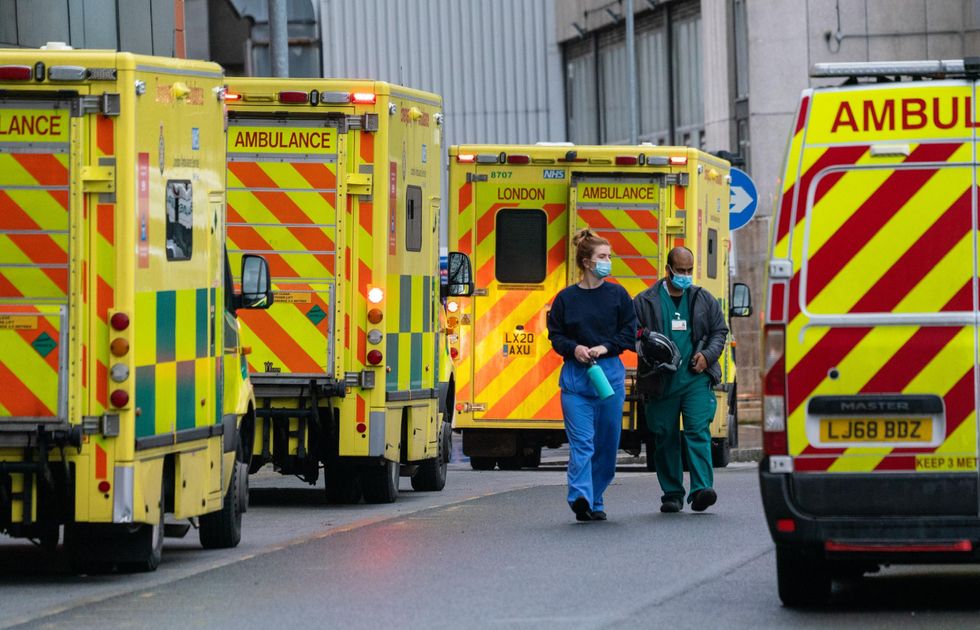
x=521, y=239
x=881, y=341
x=283, y=201
x=35, y=223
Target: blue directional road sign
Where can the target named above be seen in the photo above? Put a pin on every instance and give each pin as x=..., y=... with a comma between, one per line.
x=744, y=199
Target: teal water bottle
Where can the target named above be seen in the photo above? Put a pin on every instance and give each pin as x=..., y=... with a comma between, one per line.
x=599, y=381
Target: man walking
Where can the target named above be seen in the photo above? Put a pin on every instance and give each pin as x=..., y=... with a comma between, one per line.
x=690, y=317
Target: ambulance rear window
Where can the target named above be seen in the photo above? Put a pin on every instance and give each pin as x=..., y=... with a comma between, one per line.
x=522, y=246
x=180, y=217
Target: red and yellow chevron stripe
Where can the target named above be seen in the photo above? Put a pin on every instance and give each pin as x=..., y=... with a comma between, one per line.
x=286, y=211
x=879, y=237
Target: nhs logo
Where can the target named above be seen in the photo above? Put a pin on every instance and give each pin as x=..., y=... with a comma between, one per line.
x=554, y=173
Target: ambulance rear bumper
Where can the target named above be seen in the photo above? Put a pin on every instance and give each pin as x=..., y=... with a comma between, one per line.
x=894, y=525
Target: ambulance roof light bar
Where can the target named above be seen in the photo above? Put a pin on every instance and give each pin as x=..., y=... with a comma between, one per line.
x=954, y=67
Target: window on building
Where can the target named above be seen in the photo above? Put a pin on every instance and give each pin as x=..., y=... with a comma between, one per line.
x=413, y=219
x=522, y=246
x=615, y=91
x=668, y=81
x=580, y=96
x=180, y=219
x=651, y=65
x=688, y=100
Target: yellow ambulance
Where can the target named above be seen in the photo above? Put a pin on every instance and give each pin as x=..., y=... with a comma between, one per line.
x=870, y=389
x=337, y=183
x=513, y=209
x=122, y=390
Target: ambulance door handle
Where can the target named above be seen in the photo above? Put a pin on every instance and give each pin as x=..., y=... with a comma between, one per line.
x=480, y=292
x=99, y=179
x=359, y=183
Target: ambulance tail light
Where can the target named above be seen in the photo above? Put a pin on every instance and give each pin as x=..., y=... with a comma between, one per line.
x=627, y=160
x=375, y=315
x=293, y=97
x=232, y=96
x=16, y=73
x=363, y=98
x=678, y=160
x=519, y=159
x=119, y=321
x=774, y=440
x=453, y=353
x=466, y=158
x=374, y=357
x=119, y=398
x=375, y=295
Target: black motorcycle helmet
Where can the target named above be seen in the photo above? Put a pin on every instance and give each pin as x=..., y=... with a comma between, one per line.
x=657, y=352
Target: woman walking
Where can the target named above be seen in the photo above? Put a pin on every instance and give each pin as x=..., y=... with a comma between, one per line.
x=591, y=322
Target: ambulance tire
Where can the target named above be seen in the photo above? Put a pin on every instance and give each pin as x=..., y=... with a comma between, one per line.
x=142, y=548
x=514, y=462
x=431, y=475
x=483, y=463
x=803, y=577
x=532, y=459
x=721, y=452
x=87, y=548
x=146, y=542
x=343, y=486
x=380, y=483
x=223, y=529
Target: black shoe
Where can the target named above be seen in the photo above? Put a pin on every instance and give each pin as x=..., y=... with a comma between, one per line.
x=582, y=510
x=671, y=505
x=703, y=499
x=599, y=515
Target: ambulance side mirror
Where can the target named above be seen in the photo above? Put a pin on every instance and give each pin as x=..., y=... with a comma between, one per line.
x=256, y=287
x=741, y=301
x=459, y=281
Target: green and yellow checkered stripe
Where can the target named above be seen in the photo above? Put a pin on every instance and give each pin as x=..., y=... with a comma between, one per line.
x=411, y=333
x=173, y=367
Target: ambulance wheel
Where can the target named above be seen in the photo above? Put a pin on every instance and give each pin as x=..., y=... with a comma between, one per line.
x=141, y=548
x=380, y=483
x=532, y=459
x=223, y=529
x=514, y=462
x=343, y=486
x=85, y=554
x=146, y=543
x=483, y=463
x=803, y=577
x=721, y=452
x=431, y=475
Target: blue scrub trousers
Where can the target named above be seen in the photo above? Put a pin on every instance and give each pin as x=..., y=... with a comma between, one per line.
x=593, y=427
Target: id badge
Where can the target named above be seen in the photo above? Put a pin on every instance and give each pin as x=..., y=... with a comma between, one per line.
x=678, y=324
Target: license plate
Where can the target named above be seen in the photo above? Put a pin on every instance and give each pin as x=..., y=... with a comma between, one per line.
x=876, y=430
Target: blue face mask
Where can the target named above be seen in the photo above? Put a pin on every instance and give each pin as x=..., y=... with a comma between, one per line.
x=681, y=282
x=602, y=268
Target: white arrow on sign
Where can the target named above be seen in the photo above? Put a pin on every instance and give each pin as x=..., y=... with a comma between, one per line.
x=740, y=200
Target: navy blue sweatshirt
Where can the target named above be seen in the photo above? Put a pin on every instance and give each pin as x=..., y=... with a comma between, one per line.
x=603, y=316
